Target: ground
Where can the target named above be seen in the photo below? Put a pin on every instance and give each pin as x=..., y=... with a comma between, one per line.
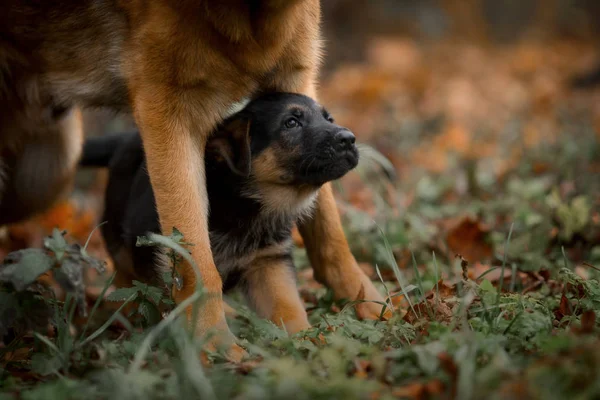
x=475, y=208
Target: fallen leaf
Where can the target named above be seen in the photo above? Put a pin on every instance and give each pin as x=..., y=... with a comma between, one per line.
x=414, y=391
x=429, y=310
x=588, y=323
x=361, y=368
x=449, y=366
x=417, y=391
x=443, y=289
x=464, y=264
x=564, y=309
x=58, y=216
x=244, y=367
x=434, y=388
x=399, y=302
x=320, y=339
x=469, y=238
x=477, y=269
x=66, y=216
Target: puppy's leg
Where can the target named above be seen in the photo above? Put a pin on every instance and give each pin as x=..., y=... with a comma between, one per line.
x=39, y=154
x=174, y=124
x=271, y=291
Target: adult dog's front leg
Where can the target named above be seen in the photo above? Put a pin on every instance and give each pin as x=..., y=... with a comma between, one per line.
x=174, y=128
x=331, y=259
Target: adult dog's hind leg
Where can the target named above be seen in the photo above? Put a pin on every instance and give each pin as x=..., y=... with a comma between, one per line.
x=39, y=155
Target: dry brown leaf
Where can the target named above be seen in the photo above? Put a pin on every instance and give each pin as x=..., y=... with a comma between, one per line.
x=417, y=391
x=434, y=388
x=320, y=340
x=430, y=310
x=564, y=309
x=449, y=366
x=414, y=391
x=445, y=290
x=17, y=355
x=464, y=264
x=66, y=216
x=588, y=323
x=399, y=302
x=58, y=216
x=245, y=367
x=469, y=238
x=361, y=368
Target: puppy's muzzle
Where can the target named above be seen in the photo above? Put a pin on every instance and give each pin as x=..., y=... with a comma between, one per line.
x=329, y=158
x=344, y=140
x=344, y=145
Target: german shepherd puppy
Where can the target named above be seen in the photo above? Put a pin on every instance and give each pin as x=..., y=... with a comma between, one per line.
x=264, y=167
x=179, y=67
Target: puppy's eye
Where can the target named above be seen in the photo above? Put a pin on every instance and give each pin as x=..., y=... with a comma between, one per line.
x=292, y=123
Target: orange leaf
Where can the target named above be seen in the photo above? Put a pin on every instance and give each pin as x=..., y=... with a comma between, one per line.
x=413, y=391
x=588, y=321
x=564, y=309
x=444, y=290
x=468, y=238
x=361, y=368
x=430, y=309
x=59, y=216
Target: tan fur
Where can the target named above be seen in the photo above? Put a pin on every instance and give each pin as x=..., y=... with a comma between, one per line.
x=274, y=191
x=37, y=161
x=334, y=265
x=273, y=294
x=179, y=67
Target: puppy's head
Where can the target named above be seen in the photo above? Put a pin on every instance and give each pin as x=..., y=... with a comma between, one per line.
x=286, y=139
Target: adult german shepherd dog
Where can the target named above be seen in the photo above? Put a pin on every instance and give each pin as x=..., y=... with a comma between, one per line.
x=179, y=66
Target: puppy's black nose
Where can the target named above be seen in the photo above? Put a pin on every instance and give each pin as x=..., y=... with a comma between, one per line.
x=345, y=139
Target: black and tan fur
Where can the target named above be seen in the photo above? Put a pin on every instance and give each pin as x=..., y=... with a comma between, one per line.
x=262, y=175
x=178, y=66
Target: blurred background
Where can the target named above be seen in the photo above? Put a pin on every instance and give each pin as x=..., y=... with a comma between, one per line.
x=474, y=114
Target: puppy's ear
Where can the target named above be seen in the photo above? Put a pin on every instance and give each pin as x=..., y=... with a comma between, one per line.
x=232, y=143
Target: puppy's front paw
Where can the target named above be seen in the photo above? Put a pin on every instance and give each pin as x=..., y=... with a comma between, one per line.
x=236, y=353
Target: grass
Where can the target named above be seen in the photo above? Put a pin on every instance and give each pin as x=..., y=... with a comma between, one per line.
x=457, y=338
